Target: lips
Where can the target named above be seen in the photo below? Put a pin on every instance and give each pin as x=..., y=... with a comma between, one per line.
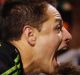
x=60, y=51
x=65, y=48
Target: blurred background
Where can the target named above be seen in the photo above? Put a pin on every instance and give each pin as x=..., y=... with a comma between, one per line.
x=70, y=12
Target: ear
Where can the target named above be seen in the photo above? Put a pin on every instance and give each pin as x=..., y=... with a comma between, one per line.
x=30, y=35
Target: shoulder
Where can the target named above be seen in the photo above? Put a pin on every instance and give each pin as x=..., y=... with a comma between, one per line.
x=10, y=61
x=6, y=60
x=9, y=58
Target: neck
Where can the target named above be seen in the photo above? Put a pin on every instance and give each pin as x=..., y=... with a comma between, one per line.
x=26, y=54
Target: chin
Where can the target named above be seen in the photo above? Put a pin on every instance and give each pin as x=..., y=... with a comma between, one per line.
x=53, y=66
x=50, y=71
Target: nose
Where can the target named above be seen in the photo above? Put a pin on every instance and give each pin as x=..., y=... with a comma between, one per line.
x=66, y=35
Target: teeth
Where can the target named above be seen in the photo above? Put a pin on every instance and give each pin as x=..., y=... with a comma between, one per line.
x=64, y=48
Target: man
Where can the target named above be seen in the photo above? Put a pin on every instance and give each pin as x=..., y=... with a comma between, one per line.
x=34, y=32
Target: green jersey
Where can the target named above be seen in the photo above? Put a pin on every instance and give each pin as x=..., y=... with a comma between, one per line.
x=10, y=61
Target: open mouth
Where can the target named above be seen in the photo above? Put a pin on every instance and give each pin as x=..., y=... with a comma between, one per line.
x=59, y=52
x=62, y=50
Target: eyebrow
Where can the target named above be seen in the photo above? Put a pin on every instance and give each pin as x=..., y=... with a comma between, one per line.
x=59, y=20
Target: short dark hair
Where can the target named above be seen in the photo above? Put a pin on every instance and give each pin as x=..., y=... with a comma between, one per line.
x=17, y=14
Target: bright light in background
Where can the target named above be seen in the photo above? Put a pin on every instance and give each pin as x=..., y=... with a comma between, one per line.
x=2, y=1
x=66, y=6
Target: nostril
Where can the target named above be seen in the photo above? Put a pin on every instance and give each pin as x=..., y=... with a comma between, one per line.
x=67, y=40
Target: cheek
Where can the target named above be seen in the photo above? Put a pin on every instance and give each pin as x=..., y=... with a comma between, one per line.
x=51, y=43
x=55, y=40
x=47, y=45
x=60, y=36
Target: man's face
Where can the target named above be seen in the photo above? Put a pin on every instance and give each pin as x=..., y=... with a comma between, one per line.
x=48, y=41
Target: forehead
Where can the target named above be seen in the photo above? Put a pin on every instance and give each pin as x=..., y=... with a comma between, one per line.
x=53, y=13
